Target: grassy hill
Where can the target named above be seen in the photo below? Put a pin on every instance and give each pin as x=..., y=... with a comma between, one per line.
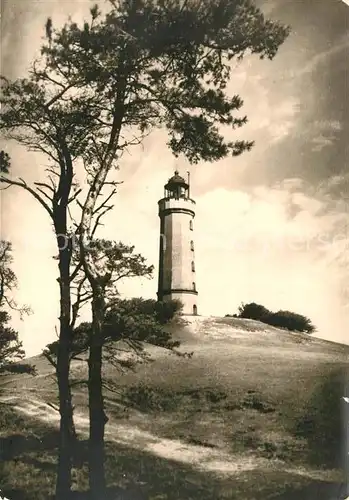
x=255, y=414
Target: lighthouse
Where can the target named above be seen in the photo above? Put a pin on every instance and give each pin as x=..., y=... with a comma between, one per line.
x=177, y=279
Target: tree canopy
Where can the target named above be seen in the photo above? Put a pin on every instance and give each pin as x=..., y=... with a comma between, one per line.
x=134, y=321
x=144, y=64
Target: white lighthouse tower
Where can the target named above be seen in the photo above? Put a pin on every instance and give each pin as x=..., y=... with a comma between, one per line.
x=177, y=258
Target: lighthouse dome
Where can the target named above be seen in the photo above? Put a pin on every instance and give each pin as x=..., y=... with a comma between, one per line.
x=176, y=180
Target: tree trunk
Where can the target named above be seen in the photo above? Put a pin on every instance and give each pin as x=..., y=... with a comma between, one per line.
x=96, y=403
x=67, y=433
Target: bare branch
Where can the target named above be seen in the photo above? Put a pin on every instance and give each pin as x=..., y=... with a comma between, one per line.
x=98, y=219
x=75, y=195
x=78, y=382
x=110, y=389
x=104, y=204
x=76, y=271
x=53, y=172
x=50, y=358
x=56, y=408
x=21, y=183
x=81, y=298
x=59, y=95
x=44, y=194
x=44, y=185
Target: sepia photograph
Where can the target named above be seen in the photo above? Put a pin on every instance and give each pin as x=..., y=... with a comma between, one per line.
x=174, y=250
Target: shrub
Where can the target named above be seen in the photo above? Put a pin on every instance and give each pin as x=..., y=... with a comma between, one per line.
x=291, y=321
x=253, y=311
x=149, y=399
x=281, y=319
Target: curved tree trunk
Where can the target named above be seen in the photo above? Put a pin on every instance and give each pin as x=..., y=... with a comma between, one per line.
x=96, y=402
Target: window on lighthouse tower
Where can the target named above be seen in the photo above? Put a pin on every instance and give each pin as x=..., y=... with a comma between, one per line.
x=191, y=225
x=193, y=267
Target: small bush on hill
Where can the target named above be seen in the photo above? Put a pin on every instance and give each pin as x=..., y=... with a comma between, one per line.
x=291, y=321
x=150, y=399
x=280, y=319
x=253, y=311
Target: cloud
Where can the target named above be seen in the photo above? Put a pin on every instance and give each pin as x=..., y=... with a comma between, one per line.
x=337, y=183
x=23, y=24
x=271, y=115
x=270, y=6
x=322, y=142
x=250, y=247
x=334, y=125
x=322, y=57
x=279, y=118
x=291, y=184
x=320, y=134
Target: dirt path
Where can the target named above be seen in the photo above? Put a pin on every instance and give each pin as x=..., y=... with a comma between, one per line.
x=199, y=456
x=202, y=458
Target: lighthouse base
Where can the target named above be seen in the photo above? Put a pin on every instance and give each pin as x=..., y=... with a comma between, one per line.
x=188, y=298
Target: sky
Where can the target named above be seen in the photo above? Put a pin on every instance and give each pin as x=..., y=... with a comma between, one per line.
x=271, y=225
